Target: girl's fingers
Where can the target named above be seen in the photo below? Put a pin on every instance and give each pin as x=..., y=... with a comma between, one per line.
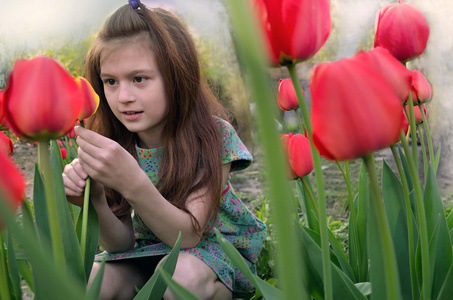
x=71, y=188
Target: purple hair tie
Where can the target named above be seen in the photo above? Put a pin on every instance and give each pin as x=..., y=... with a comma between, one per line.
x=134, y=3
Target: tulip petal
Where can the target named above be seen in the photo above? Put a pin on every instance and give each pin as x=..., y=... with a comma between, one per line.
x=41, y=101
x=354, y=110
x=403, y=30
x=91, y=99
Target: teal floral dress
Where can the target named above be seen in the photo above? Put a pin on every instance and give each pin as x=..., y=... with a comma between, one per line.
x=237, y=224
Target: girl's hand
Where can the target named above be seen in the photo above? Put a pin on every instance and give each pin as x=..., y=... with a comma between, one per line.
x=106, y=161
x=74, y=179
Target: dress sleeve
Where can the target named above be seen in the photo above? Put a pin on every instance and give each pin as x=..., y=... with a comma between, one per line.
x=233, y=149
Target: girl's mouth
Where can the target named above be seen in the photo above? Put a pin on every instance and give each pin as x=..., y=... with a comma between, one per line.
x=132, y=115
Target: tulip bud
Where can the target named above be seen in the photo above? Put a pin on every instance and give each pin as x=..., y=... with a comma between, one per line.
x=64, y=153
x=41, y=100
x=393, y=71
x=6, y=145
x=299, y=154
x=91, y=99
x=402, y=29
x=354, y=110
x=286, y=97
x=422, y=91
x=417, y=113
x=12, y=183
x=294, y=30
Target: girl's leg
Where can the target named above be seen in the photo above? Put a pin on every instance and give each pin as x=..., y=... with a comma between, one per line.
x=199, y=278
x=121, y=277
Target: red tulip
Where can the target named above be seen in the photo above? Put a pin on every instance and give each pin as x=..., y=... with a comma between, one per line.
x=402, y=29
x=42, y=101
x=299, y=154
x=393, y=71
x=64, y=153
x=354, y=110
x=6, y=145
x=286, y=97
x=12, y=183
x=294, y=30
x=2, y=92
x=417, y=113
x=91, y=99
x=422, y=91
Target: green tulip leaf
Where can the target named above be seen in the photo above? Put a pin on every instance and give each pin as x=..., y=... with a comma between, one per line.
x=92, y=237
x=40, y=207
x=73, y=256
x=438, y=233
x=392, y=193
x=307, y=206
x=53, y=283
x=13, y=270
x=268, y=291
x=406, y=169
x=342, y=285
x=156, y=285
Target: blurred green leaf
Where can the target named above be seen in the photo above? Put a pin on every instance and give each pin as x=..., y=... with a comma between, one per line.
x=156, y=285
x=392, y=194
x=73, y=256
x=92, y=237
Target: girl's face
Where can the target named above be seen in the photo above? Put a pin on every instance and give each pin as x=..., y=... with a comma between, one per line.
x=134, y=89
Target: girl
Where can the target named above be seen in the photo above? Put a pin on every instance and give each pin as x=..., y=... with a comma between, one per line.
x=159, y=156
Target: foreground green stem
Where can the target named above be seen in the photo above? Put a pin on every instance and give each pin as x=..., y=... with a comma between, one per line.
x=410, y=227
x=425, y=159
x=428, y=137
x=86, y=207
x=51, y=204
x=377, y=211
x=291, y=269
x=413, y=131
x=4, y=290
x=323, y=229
x=421, y=216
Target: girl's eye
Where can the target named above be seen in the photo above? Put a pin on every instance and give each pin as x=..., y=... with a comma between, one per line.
x=110, y=81
x=139, y=79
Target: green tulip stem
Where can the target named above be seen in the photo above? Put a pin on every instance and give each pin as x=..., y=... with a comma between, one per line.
x=51, y=204
x=86, y=203
x=377, y=211
x=413, y=131
x=425, y=159
x=289, y=261
x=299, y=120
x=323, y=229
x=304, y=181
x=353, y=218
x=410, y=225
x=428, y=137
x=5, y=290
x=421, y=216
x=86, y=199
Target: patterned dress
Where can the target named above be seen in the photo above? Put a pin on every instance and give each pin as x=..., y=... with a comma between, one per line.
x=237, y=224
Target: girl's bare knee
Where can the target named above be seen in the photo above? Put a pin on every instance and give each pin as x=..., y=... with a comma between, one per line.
x=199, y=278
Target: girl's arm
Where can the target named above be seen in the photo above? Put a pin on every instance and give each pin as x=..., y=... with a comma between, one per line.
x=108, y=163
x=115, y=235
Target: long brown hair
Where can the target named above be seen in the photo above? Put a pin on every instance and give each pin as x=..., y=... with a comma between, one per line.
x=192, y=147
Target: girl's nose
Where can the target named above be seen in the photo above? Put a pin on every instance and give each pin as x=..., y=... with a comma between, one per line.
x=125, y=93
